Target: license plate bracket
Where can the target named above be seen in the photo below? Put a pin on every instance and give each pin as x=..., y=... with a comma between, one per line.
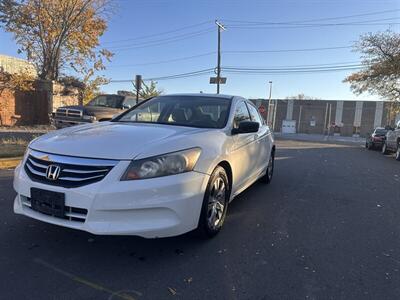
x=48, y=202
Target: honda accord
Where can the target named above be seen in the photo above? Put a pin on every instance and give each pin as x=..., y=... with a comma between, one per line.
x=165, y=167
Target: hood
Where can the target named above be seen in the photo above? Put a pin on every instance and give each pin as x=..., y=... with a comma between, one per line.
x=110, y=140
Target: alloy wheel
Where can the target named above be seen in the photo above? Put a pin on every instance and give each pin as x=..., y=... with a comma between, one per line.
x=270, y=170
x=384, y=148
x=216, y=203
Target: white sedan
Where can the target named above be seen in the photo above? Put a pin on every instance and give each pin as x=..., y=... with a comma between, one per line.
x=168, y=166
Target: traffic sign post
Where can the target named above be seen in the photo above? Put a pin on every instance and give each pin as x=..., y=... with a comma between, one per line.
x=213, y=80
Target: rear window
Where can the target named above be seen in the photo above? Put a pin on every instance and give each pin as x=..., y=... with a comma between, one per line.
x=380, y=131
x=113, y=101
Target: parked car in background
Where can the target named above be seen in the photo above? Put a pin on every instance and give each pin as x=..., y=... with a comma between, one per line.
x=392, y=142
x=101, y=108
x=168, y=166
x=376, y=139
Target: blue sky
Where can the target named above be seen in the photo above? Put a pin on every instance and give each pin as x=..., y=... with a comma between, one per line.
x=136, y=27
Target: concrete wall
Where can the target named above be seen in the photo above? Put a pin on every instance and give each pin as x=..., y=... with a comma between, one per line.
x=342, y=117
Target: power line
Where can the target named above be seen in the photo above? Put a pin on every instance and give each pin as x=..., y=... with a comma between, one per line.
x=292, y=68
x=199, y=72
x=161, y=41
x=326, y=19
x=164, y=61
x=292, y=71
x=158, y=34
x=296, y=26
x=289, y=50
x=174, y=76
x=298, y=66
x=256, y=71
x=226, y=52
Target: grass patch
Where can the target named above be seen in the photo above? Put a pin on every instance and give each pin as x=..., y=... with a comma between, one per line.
x=13, y=141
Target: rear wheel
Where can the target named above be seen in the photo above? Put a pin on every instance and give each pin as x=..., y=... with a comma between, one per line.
x=398, y=152
x=215, y=203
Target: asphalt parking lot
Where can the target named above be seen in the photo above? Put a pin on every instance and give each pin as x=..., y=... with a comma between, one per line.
x=328, y=227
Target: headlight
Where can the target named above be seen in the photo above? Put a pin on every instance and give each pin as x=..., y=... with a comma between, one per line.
x=163, y=165
x=90, y=118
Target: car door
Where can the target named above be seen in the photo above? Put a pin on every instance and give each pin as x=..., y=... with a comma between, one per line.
x=244, y=151
x=396, y=136
x=391, y=138
x=262, y=142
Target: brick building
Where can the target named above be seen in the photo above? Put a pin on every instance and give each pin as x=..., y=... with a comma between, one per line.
x=30, y=108
x=339, y=117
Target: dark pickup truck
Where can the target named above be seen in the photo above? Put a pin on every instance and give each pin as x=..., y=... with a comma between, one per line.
x=101, y=108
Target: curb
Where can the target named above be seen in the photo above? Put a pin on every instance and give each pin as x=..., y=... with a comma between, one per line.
x=9, y=163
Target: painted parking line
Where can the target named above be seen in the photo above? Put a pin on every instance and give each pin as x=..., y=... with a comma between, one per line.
x=113, y=294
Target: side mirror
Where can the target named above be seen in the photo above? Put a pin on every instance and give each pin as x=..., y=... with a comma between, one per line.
x=126, y=106
x=246, y=127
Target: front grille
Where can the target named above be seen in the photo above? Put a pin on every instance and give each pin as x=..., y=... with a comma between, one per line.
x=74, y=171
x=69, y=112
x=74, y=113
x=71, y=213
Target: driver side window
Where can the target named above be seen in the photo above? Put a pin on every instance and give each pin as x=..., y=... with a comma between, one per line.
x=241, y=114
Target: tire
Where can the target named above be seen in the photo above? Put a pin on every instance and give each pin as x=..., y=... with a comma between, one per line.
x=267, y=178
x=398, y=152
x=370, y=146
x=215, y=204
x=384, y=149
x=366, y=145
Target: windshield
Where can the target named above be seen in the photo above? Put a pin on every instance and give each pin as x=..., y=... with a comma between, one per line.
x=380, y=131
x=113, y=101
x=192, y=111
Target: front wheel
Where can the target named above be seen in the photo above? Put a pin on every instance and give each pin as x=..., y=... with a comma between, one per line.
x=215, y=203
x=267, y=178
x=384, y=149
x=398, y=152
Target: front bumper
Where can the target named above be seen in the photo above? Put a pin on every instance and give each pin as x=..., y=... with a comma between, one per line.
x=67, y=122
x=158, y=207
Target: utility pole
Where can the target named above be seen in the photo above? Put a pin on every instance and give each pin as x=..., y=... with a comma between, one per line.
x=269, y=104
x=274, y=118
x=138, y=86
x=220, y=27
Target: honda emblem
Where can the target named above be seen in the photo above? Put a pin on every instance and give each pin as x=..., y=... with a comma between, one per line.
x=53, y=172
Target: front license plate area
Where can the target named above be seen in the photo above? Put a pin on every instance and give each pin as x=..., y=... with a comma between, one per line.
x=48, y=202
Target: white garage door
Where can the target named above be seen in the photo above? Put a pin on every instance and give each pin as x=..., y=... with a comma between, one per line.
x=289, y=126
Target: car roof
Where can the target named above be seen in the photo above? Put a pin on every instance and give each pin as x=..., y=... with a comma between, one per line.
x=223, y=96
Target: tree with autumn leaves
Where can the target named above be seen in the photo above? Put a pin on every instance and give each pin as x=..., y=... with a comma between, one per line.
x=57, y=35
x=380, y=75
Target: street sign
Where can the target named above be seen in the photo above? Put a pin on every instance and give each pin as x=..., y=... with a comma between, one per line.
x=138, y=82
x=262, y=109
x=213, y=80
